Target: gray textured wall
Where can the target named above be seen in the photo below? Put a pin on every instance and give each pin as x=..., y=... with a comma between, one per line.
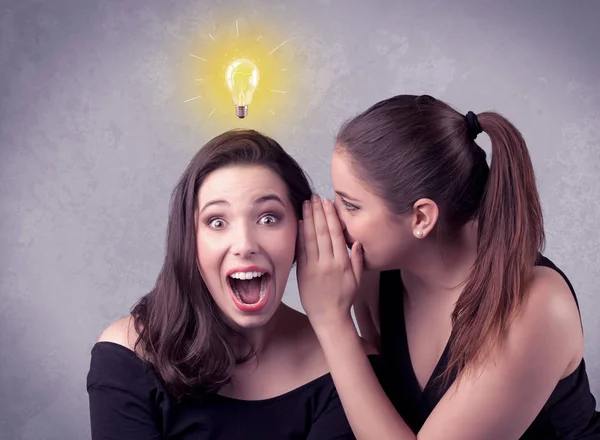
x=94, y=134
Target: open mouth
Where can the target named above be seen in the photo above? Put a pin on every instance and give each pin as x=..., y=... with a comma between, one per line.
x=249, y=289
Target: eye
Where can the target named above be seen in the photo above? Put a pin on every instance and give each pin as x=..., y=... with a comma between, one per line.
x=268, y=220
x=349, y=206
x=216, y=223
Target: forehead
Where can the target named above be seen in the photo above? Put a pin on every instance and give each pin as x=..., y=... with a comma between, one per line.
x=345, y=178
x=241, y=182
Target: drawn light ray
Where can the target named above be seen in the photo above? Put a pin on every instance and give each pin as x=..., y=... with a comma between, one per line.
x=279, y=46
x=192, y=99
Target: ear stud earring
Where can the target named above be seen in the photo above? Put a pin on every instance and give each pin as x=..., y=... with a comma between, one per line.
x=419, y=234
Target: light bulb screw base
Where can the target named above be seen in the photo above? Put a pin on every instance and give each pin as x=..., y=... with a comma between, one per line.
x=241, y=111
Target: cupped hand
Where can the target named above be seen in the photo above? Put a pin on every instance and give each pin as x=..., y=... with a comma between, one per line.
x=328, y=279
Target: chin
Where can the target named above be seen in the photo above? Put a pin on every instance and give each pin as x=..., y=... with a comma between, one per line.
x=249, y=322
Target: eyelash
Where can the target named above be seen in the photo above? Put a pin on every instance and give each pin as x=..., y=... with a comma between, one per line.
x=273, y=216
x=349, y=206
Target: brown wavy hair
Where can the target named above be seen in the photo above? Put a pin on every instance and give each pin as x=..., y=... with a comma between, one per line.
x=183, y=334
x=410, y=147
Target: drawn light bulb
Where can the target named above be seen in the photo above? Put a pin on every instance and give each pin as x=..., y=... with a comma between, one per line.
x=241, y=78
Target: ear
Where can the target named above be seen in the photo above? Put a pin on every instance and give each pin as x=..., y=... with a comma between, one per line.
x=424, y=218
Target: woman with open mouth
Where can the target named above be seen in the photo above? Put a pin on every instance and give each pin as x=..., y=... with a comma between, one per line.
x=212, y=352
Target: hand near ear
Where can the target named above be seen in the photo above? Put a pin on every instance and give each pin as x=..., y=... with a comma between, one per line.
x=328, y=279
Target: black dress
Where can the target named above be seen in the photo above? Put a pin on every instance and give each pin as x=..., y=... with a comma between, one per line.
x=569, y=413
x=129, y=402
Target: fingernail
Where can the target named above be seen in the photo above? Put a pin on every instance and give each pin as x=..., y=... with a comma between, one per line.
x=306, y=204
x=327, y=202
x=315, y=198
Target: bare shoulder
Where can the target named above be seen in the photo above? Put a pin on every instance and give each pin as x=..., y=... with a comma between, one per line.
x=551, y=300
x=549, y=320
x=121, y=332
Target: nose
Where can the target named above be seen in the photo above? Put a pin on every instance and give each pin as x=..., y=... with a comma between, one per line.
x=244, y=243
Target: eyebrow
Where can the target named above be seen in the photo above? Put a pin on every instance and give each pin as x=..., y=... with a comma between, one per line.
x=346, y=196
x=258, y=201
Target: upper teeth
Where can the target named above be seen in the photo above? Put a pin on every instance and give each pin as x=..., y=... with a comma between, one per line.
x=246, y=275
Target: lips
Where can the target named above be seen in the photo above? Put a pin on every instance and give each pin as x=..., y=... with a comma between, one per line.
x=250, y=287
x=246, y=269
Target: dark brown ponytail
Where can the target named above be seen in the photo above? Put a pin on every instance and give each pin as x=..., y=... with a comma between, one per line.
x=510, y=236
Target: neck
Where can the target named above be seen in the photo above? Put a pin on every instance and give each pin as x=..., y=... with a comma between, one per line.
x=442, y=266
x=260, y=338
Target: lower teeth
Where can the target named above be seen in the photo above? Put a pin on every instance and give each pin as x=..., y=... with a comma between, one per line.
x=263, y=290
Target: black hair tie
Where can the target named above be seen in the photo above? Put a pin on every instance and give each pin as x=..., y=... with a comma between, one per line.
x=473, y=127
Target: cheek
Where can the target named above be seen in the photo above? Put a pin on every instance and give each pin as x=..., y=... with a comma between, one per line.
x=209, y=255
x=213, y=244
x=282, y=246
x=388, y=247
x=371, y=232
x=357, y=227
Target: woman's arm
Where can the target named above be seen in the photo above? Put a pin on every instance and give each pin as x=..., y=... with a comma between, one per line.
x=366, y=308
x=498, y=400
x=332, y=423
x=369, y=411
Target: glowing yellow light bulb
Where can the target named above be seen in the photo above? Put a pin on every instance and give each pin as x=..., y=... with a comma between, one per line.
x=241, y=78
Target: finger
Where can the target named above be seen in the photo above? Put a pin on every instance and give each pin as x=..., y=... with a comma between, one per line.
x=300, y=248
x=311, y=250
x=338, y=241
x=357, y=261
x=322, y=230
